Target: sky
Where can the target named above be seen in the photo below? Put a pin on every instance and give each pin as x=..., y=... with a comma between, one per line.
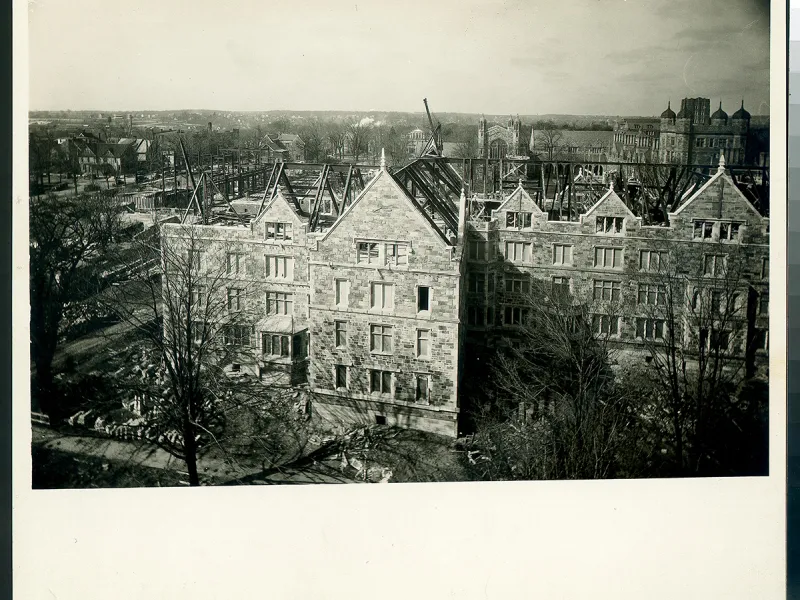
x=592, y=57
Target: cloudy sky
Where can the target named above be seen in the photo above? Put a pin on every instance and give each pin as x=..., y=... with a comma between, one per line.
x=496, y=56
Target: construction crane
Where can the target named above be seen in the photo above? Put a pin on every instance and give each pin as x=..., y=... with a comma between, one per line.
x=435, y=130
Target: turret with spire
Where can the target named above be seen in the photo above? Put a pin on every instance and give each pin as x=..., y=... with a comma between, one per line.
x=720, y=117
x=668, y=114
x=741, y=114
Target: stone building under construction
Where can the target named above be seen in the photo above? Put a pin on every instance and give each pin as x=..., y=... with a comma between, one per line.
x=373, y=309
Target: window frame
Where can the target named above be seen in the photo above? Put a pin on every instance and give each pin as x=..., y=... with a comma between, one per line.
x=716, y=271
x=654, y=291
x=478, y=250
x=283, y=340
x=381, y=377
x=417, y=378
x=476, y=282
x=285, y=228
x=239, y=298
x=237, y=335
x=661, y=254
x=423, y=335
x=706, y=227
x=340, y=334
x=341, y=300
x=429, y=292
x=610, y=225
x=285, y=299
x=336, y=372
x=525, y=247
x=235, y=263
x=271, y=270
x=383, y=285
x=597, y=324
x=657, y=329
x=614, y=250
x=517, y=280
x=393, y=259
x=365, y=254
x=562, y=248
x=516, y=219
x=383, y=333
x=613, y=287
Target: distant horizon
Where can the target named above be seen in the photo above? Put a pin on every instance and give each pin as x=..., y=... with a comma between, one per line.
x=399, y=112
x=573, y=58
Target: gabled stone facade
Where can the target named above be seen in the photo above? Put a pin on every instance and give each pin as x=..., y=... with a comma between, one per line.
x=385, y=315
x=605, y=257
x=385, y=304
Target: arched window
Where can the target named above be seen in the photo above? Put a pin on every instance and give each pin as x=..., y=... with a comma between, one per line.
x=498, y=149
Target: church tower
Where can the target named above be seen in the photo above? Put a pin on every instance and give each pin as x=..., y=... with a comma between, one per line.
x=482, y=137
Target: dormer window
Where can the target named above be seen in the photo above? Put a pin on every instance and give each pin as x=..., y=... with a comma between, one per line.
x=609, y=224
x=396, y=254
x=518, y=220
x=729, y=232
x=388, y=254
x=703, y=230
x=281, y=232
x=367, y=252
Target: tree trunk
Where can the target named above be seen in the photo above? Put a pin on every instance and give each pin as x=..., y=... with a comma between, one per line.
x=190, y=454
x=75, y=182
x=678, y=443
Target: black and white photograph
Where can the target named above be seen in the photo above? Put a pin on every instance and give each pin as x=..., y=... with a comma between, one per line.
x=397, y=243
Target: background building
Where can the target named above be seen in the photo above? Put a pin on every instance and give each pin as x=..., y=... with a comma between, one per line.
x=695, y=136
x=497, y=141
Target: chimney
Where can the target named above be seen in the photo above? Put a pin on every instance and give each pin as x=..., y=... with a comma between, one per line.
x=462, y=216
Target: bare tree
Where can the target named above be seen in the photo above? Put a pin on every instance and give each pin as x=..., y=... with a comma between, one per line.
x=562, y=412
x=337, y=138
x=467, y=146
x=253, y=140
x=107, y=170
x=358, y=136
x=200, y=323
x=694, y=325
x=313, y=133
x=69, y=239
x=547, y=139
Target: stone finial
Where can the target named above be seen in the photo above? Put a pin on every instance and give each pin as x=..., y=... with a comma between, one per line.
x=721, y=167
x=520, y=182
x=610, y=184
x=383, y=160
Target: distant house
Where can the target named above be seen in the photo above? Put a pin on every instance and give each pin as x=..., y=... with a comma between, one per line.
x=286, y=147
x=87, y=158
x=141, y=147
x=122, y=157
x=295, y=146
x=273, y=150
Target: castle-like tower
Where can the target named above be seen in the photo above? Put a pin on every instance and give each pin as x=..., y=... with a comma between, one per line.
x=696, y=137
